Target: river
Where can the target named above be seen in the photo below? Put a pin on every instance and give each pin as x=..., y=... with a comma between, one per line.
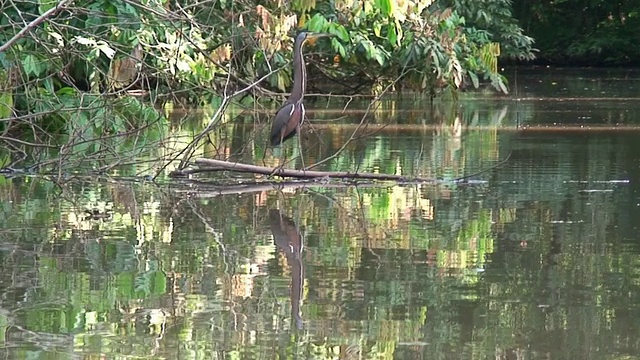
x=532, y=257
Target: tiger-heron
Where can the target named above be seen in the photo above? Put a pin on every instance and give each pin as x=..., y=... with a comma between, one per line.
x=290, y=116
x=287, y=237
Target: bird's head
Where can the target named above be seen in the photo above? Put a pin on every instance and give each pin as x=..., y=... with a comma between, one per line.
x=310, y=37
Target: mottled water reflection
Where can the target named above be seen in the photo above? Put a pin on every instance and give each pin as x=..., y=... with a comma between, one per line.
x=535, y=259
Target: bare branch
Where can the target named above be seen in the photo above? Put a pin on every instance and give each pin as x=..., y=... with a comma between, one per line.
x=362, y=124
x=188, y=150
x=10, y=139
x=217, y=165
x=33, y=24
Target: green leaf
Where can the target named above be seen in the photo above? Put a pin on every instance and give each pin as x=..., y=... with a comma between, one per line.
x=6, y=104
x=93, y=21
x=339, y=31
x=379, y=57
x=66, y=91
x=48, y=84
x=339, y=48
x=399, y=32
x=377, y=28
x=343, y=34
x=317, y=23
x=5, y=160
x=384, y=6
x=82, y=119
x=159, y=283
x=46, y=5
x=30, y=66
x=474, y=79
x=373, y=52
x=369, y=49
x=392, y=36
x=503, y=87
x=4, y=61
x=129, y=9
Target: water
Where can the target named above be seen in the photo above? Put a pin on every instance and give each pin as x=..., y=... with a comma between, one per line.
x=535, y=257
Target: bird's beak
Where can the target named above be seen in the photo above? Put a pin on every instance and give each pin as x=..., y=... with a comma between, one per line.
x=311, y=38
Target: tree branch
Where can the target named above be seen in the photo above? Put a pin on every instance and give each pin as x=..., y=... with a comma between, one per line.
x=217, y=165
x=33, y=24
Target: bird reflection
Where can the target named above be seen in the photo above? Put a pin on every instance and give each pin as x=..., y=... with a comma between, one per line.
x=288, y=238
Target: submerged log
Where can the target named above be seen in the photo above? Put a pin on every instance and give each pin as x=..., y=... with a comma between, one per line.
x=208, y=165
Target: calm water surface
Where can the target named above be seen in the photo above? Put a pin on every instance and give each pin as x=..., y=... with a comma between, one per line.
x=538, y=257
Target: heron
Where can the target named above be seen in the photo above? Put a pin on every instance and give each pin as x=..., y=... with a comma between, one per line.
x=290, y=116
x=287, y=237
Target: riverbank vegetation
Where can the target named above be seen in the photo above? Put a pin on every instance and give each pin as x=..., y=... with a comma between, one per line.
x=59, y=57
x=582, y=33
x=73, y=72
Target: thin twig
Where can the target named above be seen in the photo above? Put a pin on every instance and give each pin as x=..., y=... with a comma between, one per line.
x=10, y=139
x=361, y=124
x=188, y=150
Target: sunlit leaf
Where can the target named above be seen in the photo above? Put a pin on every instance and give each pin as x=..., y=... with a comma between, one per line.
x=106, y=49
x=159, y=283
x=503, y=87
x=84, y=41
x=379, y=58
x=304, y=5
x=317, y=23
x=384, y=6
x=377, y=28
x=6, y=104
x=474, y=79
x=342, y=33
x=399, y=32
x=367, y=8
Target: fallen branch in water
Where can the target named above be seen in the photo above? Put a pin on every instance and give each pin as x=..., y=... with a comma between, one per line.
x=207, y=165
x=205, y=190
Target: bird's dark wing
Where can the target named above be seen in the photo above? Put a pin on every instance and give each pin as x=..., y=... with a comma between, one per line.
x=286, y=122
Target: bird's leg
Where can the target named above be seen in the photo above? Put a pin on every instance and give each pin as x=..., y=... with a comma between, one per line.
x=264, y=153
x=300, y=146
x=282, y=161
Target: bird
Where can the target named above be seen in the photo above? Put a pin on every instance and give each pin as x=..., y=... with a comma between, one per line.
x=288, y=238
x=290, y=116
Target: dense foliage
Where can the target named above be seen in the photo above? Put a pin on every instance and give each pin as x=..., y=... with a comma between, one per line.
x=577, y=32
x=192, y=51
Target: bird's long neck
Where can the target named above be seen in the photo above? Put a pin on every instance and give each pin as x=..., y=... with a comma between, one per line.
x=299, y=72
